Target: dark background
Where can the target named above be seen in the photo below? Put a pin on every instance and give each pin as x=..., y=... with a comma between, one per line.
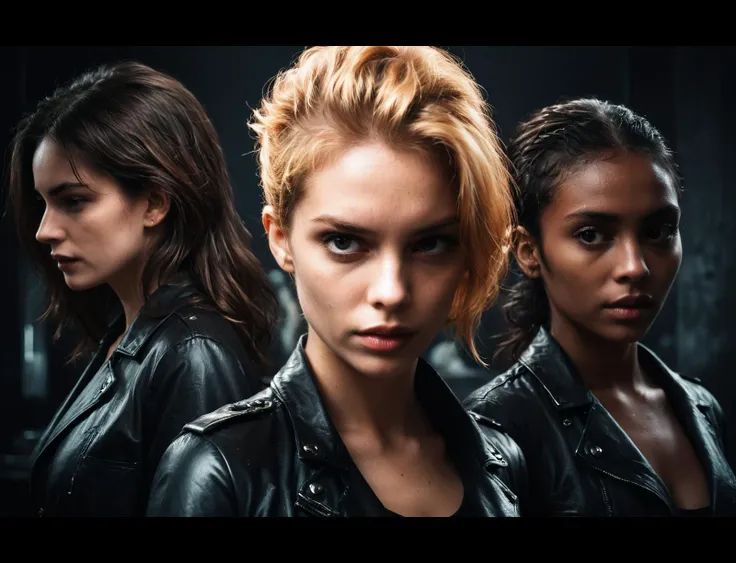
x=684, y=91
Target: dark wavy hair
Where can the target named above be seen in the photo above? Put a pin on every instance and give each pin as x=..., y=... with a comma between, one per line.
x=550, y=143
x=147, y=131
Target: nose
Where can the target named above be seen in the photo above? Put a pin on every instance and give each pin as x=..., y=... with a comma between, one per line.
x=631, y=265
x=49, y=230
x=389, y=286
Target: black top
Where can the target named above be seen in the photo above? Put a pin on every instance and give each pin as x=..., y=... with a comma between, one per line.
x=361, y=492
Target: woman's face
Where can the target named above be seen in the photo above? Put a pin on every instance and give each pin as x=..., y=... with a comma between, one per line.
x=610, y=247
x=374, y=246
x=95, y=232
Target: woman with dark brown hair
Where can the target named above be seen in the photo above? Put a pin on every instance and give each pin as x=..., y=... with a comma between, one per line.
x=122, y=198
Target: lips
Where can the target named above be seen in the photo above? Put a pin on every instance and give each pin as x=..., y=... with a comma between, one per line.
x=61, y=258
x=385, y=338
x=638, y=301
x=387, y=332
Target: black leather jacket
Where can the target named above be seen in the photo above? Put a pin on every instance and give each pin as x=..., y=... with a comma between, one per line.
x=277, y=454
x=580, y=460
x=99, y=453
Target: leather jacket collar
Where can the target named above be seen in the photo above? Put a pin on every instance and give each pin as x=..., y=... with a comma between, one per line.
x=318, y=440
x=554, y=370
x=179, y=292
x=598, y=435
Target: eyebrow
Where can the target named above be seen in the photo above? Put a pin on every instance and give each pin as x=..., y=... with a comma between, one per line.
x=65, y=186
x=602, y=217
x=341, y=225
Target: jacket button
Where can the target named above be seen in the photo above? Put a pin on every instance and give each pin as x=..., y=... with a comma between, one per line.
x=316, y=488
x=311, y=448
x=595, y=451
x=567, y=422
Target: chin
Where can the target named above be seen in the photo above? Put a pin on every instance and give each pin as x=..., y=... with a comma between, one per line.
x=379, y=366
x=80, y=284
x=625, y=334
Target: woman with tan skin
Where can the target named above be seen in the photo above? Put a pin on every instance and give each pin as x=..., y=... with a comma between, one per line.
x=606, y=427
x=388, y=201
x=122, y=198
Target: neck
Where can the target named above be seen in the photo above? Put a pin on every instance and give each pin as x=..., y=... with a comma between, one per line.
x=602, y=364
x=381, y=409
x=129, y=289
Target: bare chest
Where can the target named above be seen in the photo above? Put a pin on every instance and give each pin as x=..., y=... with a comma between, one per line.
x=413, y=484
x=661, y=439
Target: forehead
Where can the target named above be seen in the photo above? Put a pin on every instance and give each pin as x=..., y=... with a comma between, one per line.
x=48, y=158
x=51, y=167
x=628, y=185
x=379, y=188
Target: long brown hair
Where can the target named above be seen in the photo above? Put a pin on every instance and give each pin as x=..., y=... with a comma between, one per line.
x=147, y=131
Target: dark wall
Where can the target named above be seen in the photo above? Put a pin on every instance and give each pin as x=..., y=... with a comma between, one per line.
x=704, y=94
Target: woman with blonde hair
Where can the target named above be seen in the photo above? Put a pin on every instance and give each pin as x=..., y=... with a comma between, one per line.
x=388, y=200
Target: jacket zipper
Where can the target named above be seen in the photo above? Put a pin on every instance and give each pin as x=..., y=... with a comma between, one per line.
x=606, y=499
x=664, y=500
x=82, y=455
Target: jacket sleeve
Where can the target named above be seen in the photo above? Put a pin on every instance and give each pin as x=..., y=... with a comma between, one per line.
x=195, y=377
x=193, y=479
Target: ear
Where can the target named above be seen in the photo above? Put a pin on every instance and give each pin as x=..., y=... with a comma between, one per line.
x=526, y=252
x=278, y=242
x=158, y=203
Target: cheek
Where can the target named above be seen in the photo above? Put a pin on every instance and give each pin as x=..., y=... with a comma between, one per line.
x=435, y=288
x=324, y=288
x=664, y=267
x=573, y=276
x=114, y=228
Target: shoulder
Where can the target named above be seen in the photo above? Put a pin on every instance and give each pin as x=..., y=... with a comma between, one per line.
x=250, y=424
x=509, y=389
x=189, y=354
x=702, y=396
x=191, y=454
x=193, y=478
x=696, y=386
x=240, y=416
x=193, y=323
x=496, y=433
x=506, y=450
x=248, y=433
x=198, y=338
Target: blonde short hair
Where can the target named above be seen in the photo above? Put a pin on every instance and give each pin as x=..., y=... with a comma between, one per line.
x=416, y=98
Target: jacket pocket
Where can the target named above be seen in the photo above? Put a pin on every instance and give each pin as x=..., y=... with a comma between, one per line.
x=109, y=488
